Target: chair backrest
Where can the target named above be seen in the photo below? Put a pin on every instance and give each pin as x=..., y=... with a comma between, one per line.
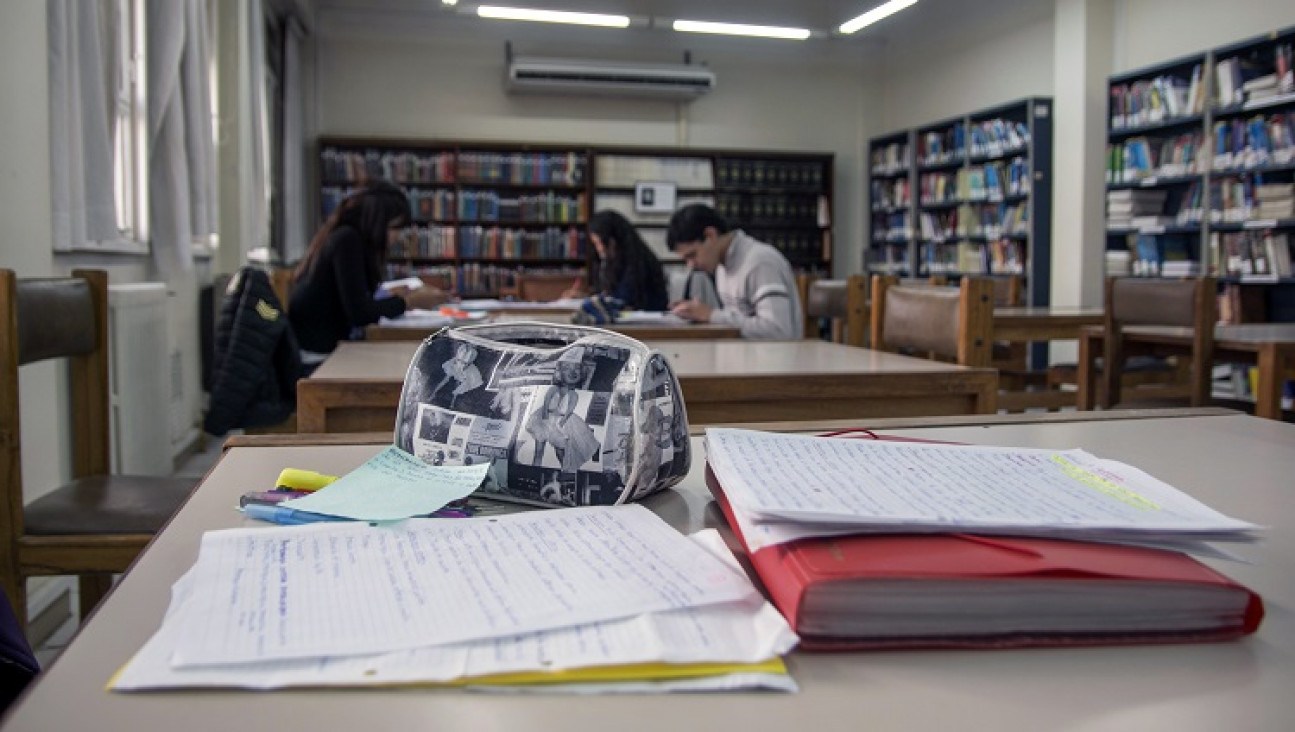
x=1009, y=291
x=1187, y=303
x=954, y=323
x=536, y=287
x=53, y=318
x=843, y=301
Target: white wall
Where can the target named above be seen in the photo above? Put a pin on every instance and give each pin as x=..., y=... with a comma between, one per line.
x=445, y=81
x=1150, y=31
x=929, y=82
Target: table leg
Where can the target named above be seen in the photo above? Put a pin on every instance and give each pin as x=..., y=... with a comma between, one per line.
x=1268, y=391
x=1086, y=375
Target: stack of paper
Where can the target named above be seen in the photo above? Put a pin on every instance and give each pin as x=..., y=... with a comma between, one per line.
x=867, y=542
x=605, y=595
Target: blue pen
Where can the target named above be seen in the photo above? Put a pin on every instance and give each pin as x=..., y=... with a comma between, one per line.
x=286, y=516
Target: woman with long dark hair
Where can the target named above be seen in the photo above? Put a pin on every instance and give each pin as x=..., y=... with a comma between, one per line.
x=627, y=269
x=334, y=284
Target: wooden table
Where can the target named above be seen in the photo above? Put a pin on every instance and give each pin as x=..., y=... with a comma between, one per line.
x=1245, y=684
x=640, y=331
x=1270, y=346
x=358, y=387
x=1023, y=325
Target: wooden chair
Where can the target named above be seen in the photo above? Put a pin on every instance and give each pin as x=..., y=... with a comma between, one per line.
x=950, y=323
x=96, y=524
x=844, y=303
x=1134, y=301
x=542, y=287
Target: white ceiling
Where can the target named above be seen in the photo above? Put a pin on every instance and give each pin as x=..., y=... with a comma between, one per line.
x=929, y=22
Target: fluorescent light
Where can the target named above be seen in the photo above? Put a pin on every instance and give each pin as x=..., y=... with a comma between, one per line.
x=553, y=16
x=741, y=29
x=872, y=16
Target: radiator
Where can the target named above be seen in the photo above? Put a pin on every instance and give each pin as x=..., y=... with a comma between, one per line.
x=140, y=379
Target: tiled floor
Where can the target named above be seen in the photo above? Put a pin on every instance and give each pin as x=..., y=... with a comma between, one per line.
x=195, y=466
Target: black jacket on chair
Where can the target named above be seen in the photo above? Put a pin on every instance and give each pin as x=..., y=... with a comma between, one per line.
x=257, y=361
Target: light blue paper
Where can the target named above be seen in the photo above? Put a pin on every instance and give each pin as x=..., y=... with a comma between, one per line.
x=390, y=486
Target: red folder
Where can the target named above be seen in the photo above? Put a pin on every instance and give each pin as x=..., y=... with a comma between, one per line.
x=968, y=565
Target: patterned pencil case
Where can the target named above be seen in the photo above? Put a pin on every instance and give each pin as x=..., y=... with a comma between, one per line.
x=566, y=415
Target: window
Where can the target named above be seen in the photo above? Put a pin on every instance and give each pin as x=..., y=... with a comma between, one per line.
x=130, y=123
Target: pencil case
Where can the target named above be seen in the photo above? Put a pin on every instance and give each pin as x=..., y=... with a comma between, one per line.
x=566, y=415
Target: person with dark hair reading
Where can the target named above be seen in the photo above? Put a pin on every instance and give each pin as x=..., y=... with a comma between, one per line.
x=757, y=289
x=335, y=283
x=627, y=269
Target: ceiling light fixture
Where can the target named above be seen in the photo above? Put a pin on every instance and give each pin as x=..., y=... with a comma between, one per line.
x=553, y=16
x=741, y=29
x=872, y=16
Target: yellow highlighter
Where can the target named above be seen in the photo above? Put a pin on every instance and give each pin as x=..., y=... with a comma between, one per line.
x=303, y=480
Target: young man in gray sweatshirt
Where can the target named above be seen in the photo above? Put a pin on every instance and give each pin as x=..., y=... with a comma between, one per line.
x=757, y=289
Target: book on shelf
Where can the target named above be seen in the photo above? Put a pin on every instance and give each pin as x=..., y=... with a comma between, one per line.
x=1119, y=263
x=847, y=560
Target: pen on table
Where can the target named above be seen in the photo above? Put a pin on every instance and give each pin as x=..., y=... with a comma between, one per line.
x=286, y=516
x=303, y=480
x=269, y=498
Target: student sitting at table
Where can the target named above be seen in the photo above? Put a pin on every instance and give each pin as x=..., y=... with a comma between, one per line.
x=627, y=269
x=756, y=287
x=335, y=283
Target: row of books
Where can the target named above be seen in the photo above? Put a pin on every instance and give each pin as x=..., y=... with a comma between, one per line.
x=937, y=147
x=891, y=158
x=769, y=174
x=989, y=222
x=1130, y=208
x=1141, y=158
x=994, y=137
x=751, y=209
x=990, y=182
x=888, y=259
x=1256, y=78
x=566, y=169
x=1150, y=101
x=893, y=226
x=1250, y=254
x=539, y=207
x=999, y=257
x=399, y=167
x=495, y=242
x=800, y=247
x=891, y=193
x=475, y=279
x=1163, y=256
x=1256, y=142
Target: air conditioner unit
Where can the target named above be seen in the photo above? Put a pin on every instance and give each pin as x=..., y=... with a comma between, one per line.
x=617, y=78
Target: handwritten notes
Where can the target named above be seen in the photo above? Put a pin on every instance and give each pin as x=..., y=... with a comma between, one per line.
x=390, y=486
x=895, y=485
x=748, y=631
x=342, y=589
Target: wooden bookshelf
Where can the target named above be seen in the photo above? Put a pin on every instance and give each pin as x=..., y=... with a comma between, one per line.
x=1200, y=166
x=482, y=212
x=782, y=198
x=485, y=211
x=968, y=195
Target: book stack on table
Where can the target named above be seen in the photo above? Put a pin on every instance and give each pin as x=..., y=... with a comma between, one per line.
x=866, y=543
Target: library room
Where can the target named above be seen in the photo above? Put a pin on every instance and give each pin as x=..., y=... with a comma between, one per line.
x=557, y=364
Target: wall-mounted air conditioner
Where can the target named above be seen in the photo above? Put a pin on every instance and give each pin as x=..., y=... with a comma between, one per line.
x=616, y=78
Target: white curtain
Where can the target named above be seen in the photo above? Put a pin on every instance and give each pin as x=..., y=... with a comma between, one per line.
x=181, y=177
x=294, y=173
x=81, y=100
x=256, y=192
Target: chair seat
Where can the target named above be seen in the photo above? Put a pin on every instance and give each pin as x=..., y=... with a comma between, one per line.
x=108, y=504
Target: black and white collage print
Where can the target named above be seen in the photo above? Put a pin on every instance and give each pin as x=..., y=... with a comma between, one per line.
x=557, y=425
